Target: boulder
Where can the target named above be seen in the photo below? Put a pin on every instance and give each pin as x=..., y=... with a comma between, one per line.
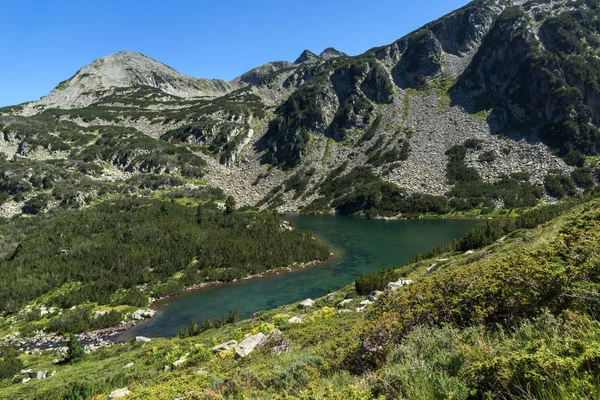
x=248, y=345
x=276, y=342
x=330, y=297
x=181, y=361
x=25, y=380
x=430, y=268
x=297, y=319
x=306, y=304
x=397, y=285
x=98, y=314
x=116, y=394
x=374, y=295
x=130, y=365
x=469, y=252
x=142, y=314
x=225, y=346
x=142, y=339
x=41, y=375
x=343, y=303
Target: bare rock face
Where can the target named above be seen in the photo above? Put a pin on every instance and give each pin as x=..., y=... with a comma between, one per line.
x=124, y=69
x=249, y=344
x=307, y=56
x=225, y=346
x=331, y=52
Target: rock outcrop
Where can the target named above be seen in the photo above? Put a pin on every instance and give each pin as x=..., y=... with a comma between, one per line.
x=249, y=344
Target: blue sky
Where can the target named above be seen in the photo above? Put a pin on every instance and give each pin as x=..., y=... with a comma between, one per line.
x=45, y=42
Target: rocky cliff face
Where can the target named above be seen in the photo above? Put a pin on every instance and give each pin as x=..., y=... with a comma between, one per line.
x=538, y=71
x=485, y=107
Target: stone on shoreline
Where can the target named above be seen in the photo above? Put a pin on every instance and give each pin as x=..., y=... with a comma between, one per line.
x=140, y=315
x=306, y=304
x=142, y=339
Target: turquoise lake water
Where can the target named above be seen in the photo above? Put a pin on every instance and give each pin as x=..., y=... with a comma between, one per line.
x=361, y=246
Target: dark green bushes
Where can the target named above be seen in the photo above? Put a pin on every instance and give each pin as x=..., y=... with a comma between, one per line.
x=36, y=204
x=485, y=235
x=583, y=177
x=10, y=364
x=559, y=186
x=75, y=351
x=386, y=199
x=80, y=319
x=368, y=283
x=195, y=329
x=487, y=157
x=299, y=181
x=456, y=170
x=206, y=193
x=124, y=243
x=514, y=192
x=473, y=144
x=155, y=182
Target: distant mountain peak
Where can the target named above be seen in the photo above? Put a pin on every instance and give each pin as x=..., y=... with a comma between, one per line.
x=122, y=70
x=306, y=56
x=256, y=75
x=332, y=52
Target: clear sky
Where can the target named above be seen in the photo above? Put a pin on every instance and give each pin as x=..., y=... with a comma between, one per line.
x=47, y=41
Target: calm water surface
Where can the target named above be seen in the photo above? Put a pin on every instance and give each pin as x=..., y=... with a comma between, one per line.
x=361, y=245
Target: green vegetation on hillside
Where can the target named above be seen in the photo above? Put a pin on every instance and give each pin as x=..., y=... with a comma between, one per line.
x=513, y=319
x=124, y=246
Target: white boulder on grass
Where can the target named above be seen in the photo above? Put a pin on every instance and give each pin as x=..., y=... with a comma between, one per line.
x=306, y=304
x=117, y=394
x=343, y=303
x=225, y=346
x=297, y=319
x=249, y=344
x=397, y=285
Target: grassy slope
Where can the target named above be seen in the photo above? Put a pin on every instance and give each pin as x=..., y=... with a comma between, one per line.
x=549, y=354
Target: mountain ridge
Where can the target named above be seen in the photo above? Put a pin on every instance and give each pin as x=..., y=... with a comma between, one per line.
x=278, y=135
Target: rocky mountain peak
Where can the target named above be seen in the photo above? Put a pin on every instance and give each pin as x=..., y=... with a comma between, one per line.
x=122, y=70
x=332, y=52
x=256, y=75
x=306, y=56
